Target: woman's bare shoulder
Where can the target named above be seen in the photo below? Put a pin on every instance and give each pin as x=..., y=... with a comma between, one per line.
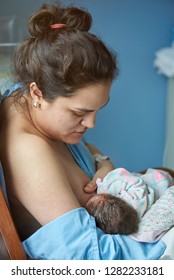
x=39, y=180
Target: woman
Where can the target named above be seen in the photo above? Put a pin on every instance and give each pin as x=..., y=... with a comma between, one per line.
x=65, y=74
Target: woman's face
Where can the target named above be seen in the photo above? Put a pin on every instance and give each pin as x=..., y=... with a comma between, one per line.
x=67, y=118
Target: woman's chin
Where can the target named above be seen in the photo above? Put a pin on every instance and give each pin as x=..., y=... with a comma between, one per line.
x=74, y=138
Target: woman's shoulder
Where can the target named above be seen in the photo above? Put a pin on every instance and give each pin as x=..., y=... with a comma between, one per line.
x=23, y=150
x=37, y=177
x=28, y=148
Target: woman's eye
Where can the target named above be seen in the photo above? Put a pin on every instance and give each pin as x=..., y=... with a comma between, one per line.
x=79, y=114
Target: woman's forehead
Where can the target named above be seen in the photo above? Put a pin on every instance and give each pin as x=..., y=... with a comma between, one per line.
x=96, y=96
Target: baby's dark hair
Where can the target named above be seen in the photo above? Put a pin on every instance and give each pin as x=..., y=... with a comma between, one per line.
x=65, y=59
x=113, y=215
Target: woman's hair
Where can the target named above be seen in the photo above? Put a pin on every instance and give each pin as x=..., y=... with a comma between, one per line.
x=113, y=215
x=65, y=59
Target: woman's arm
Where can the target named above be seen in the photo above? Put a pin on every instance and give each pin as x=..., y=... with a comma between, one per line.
x=102, y=169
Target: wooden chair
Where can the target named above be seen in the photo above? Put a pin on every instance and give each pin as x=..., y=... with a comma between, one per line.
x=10, y=245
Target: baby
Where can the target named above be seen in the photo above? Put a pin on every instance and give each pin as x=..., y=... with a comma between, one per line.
x=112, y=214
x=123, y=198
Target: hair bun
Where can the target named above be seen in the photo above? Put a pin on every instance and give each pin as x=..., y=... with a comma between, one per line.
x=73, y=18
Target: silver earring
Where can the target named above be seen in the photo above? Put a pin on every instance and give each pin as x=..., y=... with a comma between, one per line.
x=36, y=104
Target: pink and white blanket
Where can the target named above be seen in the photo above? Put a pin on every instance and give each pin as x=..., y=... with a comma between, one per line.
x=151, y=194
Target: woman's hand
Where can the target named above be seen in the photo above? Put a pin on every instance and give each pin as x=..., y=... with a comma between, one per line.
x=90, y=187
x=103, y=168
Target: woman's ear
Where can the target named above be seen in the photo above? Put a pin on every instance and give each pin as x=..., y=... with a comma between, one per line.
x=36, y=94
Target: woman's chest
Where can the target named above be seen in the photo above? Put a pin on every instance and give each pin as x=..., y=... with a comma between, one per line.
x=76, y=177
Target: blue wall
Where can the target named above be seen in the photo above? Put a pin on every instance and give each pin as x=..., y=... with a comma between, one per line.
x=131, y=129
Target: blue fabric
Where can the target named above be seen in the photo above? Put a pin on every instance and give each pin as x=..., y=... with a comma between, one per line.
x=83, y=157
x=55, y=241
x=9, y=91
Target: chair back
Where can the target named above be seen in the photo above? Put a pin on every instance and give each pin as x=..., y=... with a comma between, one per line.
x=10, y=244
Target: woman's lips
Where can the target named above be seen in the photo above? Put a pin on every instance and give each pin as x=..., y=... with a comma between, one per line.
x=81, y=132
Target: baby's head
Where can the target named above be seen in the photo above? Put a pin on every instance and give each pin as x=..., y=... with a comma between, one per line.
x=112, y=214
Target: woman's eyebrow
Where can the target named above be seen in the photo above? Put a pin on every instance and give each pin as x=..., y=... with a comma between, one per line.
x=90, y=110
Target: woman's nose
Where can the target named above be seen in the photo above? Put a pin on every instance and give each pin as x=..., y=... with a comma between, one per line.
x=89, y=120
